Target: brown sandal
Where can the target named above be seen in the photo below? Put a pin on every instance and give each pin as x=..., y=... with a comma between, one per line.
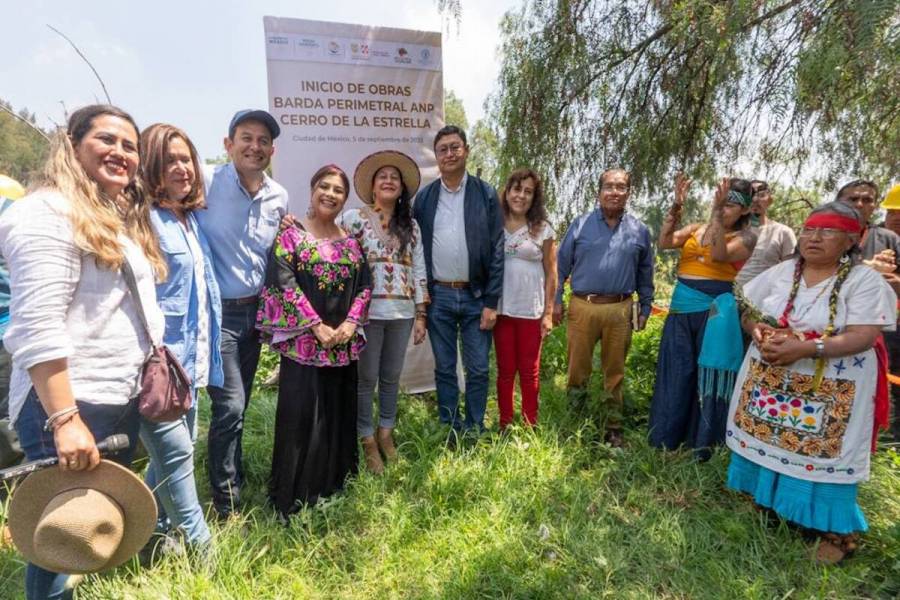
x=834, y=548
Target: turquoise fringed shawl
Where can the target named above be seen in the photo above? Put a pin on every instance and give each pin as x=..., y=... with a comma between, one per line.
x=722, y=349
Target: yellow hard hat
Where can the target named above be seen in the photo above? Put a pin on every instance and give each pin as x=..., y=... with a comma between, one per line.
x=892, y=199
x=10, y=188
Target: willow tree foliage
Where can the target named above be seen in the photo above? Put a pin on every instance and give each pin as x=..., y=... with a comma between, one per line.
x=702, y=85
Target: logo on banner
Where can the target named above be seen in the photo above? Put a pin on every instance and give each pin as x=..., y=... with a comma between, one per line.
x=402, y=56
x=359, y=51
x=335, y=49
x=278, y=40
x=425, y=56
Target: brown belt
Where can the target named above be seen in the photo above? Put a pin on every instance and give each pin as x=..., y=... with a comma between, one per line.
x=603, y=299
x=240, y=301
x=456, y=285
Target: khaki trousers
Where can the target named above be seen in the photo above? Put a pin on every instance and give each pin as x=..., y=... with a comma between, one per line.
x=610, y=324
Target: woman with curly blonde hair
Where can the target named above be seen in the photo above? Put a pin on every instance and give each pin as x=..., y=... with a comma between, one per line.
x=75, y=334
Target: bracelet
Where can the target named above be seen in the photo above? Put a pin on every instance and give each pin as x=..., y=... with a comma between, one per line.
x=63, y=420
x=52, y=419
x=820, y=347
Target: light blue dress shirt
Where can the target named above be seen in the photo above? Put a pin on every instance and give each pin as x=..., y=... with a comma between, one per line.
x=240, y=228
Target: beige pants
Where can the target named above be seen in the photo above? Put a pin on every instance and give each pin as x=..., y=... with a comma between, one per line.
x=609, y=324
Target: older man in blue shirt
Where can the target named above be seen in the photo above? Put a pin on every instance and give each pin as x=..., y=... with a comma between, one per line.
x=245, y=207
x=607, y=256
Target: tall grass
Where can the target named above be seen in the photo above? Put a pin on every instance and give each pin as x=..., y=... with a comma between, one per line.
x=544, y=513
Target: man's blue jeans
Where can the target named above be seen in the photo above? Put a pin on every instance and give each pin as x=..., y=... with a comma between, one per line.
x=103, y=420
x=240, y=356
x=455, y=313
x=171, y=474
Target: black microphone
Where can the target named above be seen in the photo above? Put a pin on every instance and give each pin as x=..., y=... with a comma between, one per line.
x=109, y=445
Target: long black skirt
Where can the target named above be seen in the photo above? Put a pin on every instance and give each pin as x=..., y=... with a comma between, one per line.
x=315, y=445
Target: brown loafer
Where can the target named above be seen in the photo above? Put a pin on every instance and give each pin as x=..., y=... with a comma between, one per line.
x=386, y=443
x=373, y=457
x=614, y=438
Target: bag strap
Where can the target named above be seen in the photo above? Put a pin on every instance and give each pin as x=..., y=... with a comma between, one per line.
x=131, y=282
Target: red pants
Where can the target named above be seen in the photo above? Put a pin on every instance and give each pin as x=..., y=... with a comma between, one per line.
x=518, y=344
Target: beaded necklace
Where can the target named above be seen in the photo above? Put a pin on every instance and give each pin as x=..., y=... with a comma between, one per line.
x=843, y=271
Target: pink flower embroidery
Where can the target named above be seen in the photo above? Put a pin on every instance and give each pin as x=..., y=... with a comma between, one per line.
x=306, y=310
x=342, y=356
x=345, y=272
x=323, y=356
x=290, y=295
x=290, y=237
x=319, y=269
x=330, y=252
x=272, y=309
x=305, y=254
x=291, y=321
x=305, y=345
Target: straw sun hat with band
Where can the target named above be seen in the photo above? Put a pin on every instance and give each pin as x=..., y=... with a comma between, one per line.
x=81, y=522
x=367, y=167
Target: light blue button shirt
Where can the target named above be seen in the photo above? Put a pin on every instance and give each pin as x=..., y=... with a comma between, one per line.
x=240, y=228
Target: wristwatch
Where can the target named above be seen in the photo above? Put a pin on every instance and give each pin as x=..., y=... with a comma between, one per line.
x=820, y=347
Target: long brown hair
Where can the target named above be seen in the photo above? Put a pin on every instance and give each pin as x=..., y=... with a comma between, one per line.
x=155, y=142
x=537, y=213
x=96, y=220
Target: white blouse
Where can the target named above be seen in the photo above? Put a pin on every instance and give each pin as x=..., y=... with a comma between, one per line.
x=774, y=419
x=523, y=273
x=64, y=306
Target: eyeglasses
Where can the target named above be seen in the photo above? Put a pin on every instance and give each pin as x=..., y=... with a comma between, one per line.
x=450, y=149
x=824, y=232
x=614, y=187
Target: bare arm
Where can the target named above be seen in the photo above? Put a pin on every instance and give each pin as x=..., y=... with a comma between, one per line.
x=550, y=283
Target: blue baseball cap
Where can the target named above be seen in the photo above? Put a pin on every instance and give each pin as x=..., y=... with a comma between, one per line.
x=254, y=115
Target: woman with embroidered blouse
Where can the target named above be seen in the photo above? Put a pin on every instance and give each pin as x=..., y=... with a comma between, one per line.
x=701, y=346
x=387, y=181
x=812, y=392
x=311, y=311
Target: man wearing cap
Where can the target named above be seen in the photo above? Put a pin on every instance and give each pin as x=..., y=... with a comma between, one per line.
x=774, y=241
x=462, y=236
x=607, y=256
x=880, y=249
x=244, y=207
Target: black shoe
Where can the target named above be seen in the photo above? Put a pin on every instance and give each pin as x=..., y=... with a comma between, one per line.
x=614, y=438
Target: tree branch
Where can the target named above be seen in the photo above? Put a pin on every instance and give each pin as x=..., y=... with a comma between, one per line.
x=26, y=121
x=84, y=58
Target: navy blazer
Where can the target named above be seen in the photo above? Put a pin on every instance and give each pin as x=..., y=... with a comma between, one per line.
x=484, y=235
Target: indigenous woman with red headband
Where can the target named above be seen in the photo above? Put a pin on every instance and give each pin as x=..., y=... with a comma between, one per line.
x=810, y=394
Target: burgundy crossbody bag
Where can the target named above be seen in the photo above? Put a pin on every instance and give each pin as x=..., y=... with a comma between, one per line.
x=165, y=386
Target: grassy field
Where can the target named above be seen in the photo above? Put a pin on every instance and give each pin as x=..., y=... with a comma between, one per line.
x=549, y=513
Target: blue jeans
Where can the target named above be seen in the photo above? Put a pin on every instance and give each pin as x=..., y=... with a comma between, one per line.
x=103, y=420
x=171, y=475
x=240, y=356
x=455, y=313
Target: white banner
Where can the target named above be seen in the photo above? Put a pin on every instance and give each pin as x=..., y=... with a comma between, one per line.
x=341, y=92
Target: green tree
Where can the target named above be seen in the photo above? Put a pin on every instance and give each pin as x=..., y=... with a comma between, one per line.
x=697, y=85
x=482, y=140
x=22, y=149
x=454, y=111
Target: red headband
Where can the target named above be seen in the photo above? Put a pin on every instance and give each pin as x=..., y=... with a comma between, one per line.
x=833, y=221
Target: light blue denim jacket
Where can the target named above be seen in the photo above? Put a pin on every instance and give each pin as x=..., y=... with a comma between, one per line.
x=177, y=295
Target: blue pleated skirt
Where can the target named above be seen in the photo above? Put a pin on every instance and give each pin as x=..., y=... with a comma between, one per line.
x=829, y=507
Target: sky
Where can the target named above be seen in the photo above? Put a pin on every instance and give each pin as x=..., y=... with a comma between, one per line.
x=194, y=63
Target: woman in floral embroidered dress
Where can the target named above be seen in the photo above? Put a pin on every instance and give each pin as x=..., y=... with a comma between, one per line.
x=387, y=181
x=810, y=393
x=311, y=311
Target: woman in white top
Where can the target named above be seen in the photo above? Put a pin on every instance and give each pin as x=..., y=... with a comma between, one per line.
x=812, y=390
x=390, y=239
x=75, y=336
x=525, y=313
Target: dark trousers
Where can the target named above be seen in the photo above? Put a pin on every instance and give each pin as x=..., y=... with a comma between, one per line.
x=892, y=341
x=102, y=420
x=240, y=356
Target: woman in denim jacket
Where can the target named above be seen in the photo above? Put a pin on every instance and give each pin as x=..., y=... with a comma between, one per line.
x=190, y=302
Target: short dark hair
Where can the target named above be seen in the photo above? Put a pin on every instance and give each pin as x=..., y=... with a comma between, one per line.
x=759, y=185
x=449, y=130
x=615, y=170
x=857, y=183
x=327, y=170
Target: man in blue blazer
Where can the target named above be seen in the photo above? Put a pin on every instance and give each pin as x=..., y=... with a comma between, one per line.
x=462, y=235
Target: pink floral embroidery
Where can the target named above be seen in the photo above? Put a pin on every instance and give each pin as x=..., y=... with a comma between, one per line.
x=306, y=347
x=289, y=238
x=272, y=309
x=357, y=312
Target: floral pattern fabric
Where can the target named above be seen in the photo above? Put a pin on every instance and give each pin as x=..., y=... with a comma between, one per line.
x=775, y=419
x=398, y=282
x=311, y=281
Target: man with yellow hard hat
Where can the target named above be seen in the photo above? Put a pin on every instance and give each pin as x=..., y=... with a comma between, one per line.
x=891, y=204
